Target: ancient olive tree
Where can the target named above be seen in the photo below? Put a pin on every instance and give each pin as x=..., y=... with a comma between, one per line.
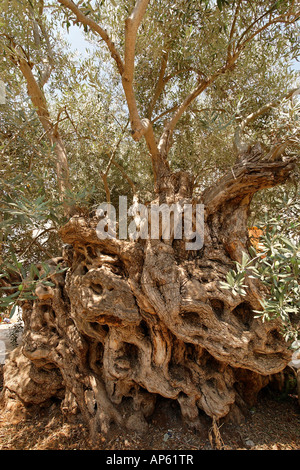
x=116, y=322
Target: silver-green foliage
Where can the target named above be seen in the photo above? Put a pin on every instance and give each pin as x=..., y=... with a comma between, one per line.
x=276, y=263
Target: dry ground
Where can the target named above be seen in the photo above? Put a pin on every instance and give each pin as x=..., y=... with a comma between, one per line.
x=274, y=424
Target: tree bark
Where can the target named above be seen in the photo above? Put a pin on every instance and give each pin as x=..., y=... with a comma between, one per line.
x=39, y=102
x=133, y=320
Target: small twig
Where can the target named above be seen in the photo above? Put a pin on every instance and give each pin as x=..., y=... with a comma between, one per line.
x=34, y=240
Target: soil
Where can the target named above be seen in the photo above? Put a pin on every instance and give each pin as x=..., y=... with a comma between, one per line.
x=273, y=424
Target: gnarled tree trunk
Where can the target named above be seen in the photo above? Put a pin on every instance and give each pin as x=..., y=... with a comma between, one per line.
x=130, y=321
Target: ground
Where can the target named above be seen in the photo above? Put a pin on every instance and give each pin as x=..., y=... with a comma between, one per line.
x=273, y=424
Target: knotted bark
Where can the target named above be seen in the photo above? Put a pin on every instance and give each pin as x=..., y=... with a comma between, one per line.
x=133, y=320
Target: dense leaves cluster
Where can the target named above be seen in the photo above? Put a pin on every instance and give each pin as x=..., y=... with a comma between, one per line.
x=274, y=261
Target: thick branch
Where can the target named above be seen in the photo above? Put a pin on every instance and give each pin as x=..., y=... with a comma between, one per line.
x=126, y=69
x=139, y=127
x=132, y=24
x=39, y=102
x=35, y=92
x=245, y=179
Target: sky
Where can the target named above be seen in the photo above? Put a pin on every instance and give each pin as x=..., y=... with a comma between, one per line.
x=296, y=65
x=77, y=40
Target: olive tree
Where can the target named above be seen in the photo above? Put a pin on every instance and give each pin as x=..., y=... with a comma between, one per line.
x=204, y=102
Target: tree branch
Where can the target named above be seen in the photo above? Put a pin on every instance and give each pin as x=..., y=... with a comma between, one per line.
x=232, y=31
x=278, y=19
x=257, y=20
x=278, y=149
x=38, y=26
x=164, y=113
x=244, y=180
x=263, y=110
x=39, y=102
x=113, y=153
x=85, y=20
x=165, y=140
x=129, y=180
x=106, y=187
x=139, y=126
x=126, y=69
x=160, y=84
x=132, y=24
x=33, y=241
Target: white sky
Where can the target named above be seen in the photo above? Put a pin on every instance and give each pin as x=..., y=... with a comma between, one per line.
x=77, y=40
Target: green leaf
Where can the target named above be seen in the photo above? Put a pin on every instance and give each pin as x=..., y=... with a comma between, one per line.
x=12, y=312
x=220, y=4
x=34, y=272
